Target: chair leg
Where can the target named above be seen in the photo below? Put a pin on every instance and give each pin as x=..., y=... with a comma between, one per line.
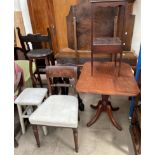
x=120, y=61
x=31, y=72
x=115, y=59
x=15, y=143
x=78, y=116
x=81, y=105
x=44, y=127
x=35, y=131
x=21, y=118
x=39, y=77
x=92, y=63
x=75, y=134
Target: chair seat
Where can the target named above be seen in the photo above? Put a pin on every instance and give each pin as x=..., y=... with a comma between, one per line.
x=38, y=53
x=57, y=110
x=31, y=96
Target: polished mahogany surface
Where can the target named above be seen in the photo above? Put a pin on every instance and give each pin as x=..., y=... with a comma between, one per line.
x=106, y=81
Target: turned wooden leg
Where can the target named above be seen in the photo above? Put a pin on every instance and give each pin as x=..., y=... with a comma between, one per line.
x=120, y=61
x=31, y=72
x=115, y=59
x=98, y=113
x=104, y=105
x=39, y=78
x=113, y=108
x=35, y=131
x=109, y=111
x=75, y=134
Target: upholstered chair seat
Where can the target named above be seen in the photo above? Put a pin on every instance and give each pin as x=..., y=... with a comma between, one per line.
x=57, y=110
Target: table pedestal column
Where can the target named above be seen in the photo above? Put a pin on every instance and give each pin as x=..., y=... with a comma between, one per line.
x=104, y=106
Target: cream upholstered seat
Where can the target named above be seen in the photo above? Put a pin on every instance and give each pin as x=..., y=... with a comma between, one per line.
x=29, y=97
x=58, y=110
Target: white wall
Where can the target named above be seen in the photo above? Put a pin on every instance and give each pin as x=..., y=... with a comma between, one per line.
x=21, y=5
x=17, y=5
x=136, y=39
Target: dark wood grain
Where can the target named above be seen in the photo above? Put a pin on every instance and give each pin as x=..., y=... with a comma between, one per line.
x=113, y=43
x=68, y=56
x=104, y=23
x=127, y=39
x=75, y=134
x=35, y=132
x=70, y=30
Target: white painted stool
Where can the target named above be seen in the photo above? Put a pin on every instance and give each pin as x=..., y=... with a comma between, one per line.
x=30, y=97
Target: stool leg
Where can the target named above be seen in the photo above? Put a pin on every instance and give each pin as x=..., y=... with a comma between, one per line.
x=75, y=134
x=21, y=118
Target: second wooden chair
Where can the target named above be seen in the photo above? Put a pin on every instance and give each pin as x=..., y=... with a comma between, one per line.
x=38, y=48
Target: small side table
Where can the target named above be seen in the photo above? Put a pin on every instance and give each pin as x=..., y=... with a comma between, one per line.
x=112, y=43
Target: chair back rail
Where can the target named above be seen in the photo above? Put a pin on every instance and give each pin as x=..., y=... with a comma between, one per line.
x=60, y=71
x=37, y=40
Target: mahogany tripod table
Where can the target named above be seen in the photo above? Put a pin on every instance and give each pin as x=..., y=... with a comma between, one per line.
x=105, y=81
